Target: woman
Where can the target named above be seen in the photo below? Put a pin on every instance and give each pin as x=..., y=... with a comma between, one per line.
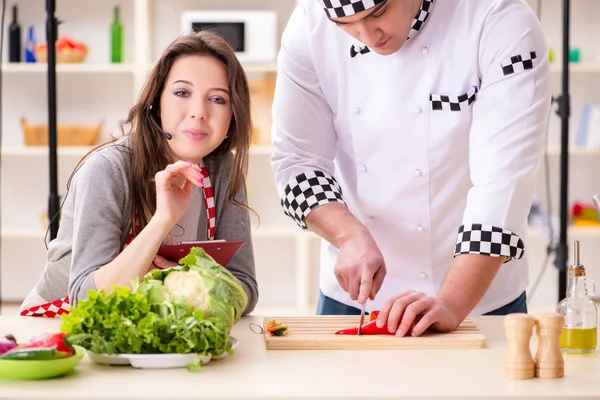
x=172, y=177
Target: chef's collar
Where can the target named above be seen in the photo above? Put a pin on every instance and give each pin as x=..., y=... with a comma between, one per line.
x=359, y=48
x=421, y=17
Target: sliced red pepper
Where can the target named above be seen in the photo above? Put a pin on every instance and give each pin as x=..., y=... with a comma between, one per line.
x=52, y=342
x=373, y=315
x=367, y=329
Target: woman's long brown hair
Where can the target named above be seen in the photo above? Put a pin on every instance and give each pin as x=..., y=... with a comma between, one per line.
x=149, y=148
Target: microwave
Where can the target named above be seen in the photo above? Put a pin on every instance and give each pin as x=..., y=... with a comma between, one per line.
x=251, y=34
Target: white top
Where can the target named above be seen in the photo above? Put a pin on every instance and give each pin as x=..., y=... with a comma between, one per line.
x=434, y=148
x=256, y=373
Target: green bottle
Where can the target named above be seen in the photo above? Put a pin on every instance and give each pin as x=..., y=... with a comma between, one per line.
x=116, y=38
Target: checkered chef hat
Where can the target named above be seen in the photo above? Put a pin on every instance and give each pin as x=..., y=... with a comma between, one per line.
x=345, y=8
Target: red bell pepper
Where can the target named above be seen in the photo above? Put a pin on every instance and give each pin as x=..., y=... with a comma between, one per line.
x=367, y=329
x=47, y=346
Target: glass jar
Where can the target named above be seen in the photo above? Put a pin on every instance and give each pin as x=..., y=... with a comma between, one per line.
x=579, y=334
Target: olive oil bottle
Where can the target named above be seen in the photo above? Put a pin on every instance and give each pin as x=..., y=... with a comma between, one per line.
x=579, y=334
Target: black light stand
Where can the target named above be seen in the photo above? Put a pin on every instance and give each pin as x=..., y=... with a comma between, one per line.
x=53, y=199
x=564, y=111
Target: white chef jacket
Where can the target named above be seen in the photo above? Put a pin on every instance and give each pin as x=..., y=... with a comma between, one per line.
x=435, y=148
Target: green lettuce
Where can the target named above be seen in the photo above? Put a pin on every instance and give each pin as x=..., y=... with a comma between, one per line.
x=186, y=309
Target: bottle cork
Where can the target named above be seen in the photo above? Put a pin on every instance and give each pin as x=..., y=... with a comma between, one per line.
x=518, y=361
x=550, y=362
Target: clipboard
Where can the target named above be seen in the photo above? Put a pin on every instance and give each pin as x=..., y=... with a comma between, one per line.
x=220, y=250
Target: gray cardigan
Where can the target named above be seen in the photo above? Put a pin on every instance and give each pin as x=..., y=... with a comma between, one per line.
x=96, y=220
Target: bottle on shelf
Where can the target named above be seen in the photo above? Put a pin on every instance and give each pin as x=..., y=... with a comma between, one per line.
x=579, y=334
x=116, y=38
x=14, y=39
x=30, y=47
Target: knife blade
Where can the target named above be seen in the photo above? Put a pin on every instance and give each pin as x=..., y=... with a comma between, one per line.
x=362, y=317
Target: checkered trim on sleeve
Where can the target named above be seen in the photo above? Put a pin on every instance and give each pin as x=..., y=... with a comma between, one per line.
x=441, y=102
x=308, y=191
x=518, y=63
x=488, y=240
x=345, y=8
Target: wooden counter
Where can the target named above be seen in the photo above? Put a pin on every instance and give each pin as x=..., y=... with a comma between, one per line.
x=256, y=373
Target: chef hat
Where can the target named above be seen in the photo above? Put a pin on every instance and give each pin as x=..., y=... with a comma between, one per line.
x=344, y=8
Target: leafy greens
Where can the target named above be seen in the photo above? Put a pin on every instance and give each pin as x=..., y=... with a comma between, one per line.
x=190, y=308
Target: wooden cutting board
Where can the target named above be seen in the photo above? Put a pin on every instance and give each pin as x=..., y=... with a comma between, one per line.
x=318, y=333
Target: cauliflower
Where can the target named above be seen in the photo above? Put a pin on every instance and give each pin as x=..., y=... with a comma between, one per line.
x=190, y=286
x=202, y=283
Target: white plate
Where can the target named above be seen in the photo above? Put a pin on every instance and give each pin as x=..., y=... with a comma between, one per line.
x=154, y=360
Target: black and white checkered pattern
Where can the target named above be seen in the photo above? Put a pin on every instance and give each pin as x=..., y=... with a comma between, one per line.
x=345, y=8
x=308, y=191
x=421, y=17
x=488, y=240
x=440, y=102
x=518, y=63
x=356, y=50
x=417, y=24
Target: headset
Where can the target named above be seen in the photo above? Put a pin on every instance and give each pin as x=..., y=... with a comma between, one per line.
x=167, y=135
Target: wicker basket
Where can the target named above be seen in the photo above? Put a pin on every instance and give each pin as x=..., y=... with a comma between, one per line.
x=65, y=55
x=66, y=135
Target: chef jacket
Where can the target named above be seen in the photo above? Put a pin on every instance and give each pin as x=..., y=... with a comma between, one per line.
x=434, y=148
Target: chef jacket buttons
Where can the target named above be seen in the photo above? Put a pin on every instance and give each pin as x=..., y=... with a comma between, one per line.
x=424, y=275
x=425, y=50
x=363, y=168
x=418, y=173
x=418, y=110
x=420, y=228
x=355, y=110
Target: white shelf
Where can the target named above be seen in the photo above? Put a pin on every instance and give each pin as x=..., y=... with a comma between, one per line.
x=69, y=68
x=17, y=233
x=261, y=150
x=260, y=67
x=296, y=233
x=580, y=67
x=585, y=232
x=249, y=67
x=80, y=151
x=20, y=151
x=574, y=151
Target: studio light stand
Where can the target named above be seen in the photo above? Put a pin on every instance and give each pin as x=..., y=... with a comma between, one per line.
x=53, y=199
x=564, y=111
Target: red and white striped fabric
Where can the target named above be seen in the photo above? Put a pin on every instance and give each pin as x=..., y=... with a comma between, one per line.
x=209, y=201
x=61, y=306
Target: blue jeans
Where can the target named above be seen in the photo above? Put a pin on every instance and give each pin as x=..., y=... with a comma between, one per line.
x=328, y=306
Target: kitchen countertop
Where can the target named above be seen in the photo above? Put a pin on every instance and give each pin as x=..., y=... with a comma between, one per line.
x=255, y=373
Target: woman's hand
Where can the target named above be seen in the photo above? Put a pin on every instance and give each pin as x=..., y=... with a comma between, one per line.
x=161, y=263
x=174, y=187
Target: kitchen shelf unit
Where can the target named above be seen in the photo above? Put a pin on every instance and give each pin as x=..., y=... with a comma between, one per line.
x=287, y=258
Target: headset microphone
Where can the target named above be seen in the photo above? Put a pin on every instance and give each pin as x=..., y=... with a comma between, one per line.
x=168, y=136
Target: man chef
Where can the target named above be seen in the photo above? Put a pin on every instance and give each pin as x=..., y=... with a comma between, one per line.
x=407, y=134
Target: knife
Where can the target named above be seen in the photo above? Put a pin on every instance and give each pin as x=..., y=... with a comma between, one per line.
x=362, y=317
x=597, y=204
